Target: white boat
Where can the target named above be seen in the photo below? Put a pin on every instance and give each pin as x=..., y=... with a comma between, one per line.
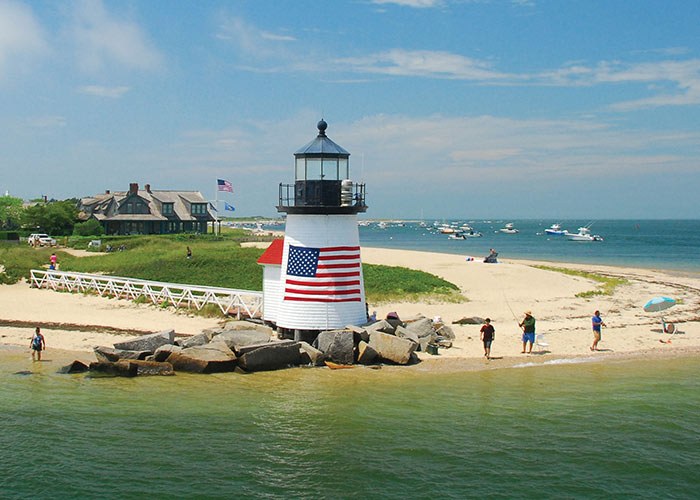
x=446, y=230
x=382, y=225
x=473, y=234
x=584, y=234
x=556, y=230
x=509, y=229
x=457, y=236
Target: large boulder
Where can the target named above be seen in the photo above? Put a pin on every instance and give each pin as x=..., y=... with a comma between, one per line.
x=405, y=333
x=392, y=348
x=248, y=325
x=338, y=346
x=241, y=350
x=109, y=355
x=309, y=355
x=272, y=356
x=366, y=354
x=446, y=331
x=235, y=339
x=210, y=358
x=164, y=351
x=148, y=342
x=421, y=327
x=359, y=332
x=380, y=326
x=153, y=368
x=76, y=366
x=118, y=369
x=474, y=320
x=194, y=340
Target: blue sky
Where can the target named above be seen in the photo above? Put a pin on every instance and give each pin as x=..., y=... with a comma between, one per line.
x=456, y=108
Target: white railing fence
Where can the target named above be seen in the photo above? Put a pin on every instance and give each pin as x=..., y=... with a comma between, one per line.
x=229, y=300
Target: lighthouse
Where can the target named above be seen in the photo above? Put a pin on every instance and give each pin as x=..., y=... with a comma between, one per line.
x=321, y=284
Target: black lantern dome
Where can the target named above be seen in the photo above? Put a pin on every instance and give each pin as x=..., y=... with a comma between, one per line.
x=322, y=182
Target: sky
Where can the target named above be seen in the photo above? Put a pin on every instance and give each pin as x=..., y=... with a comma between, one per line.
x=450, y=108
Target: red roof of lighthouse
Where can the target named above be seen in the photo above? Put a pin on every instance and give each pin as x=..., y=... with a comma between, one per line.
x=273, y=254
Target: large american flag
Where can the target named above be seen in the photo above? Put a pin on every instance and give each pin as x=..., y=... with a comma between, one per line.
x=329, y=274
x=224, y=185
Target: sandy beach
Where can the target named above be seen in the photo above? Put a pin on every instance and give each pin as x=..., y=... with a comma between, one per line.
x=502, y=292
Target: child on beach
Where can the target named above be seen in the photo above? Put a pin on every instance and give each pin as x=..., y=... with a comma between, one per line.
x=488, y=333
x=597, y=323
x=37, y=344
x=528, y=326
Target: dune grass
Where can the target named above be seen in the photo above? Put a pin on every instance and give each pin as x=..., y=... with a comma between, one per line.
x=607, y=283
x=216, y=261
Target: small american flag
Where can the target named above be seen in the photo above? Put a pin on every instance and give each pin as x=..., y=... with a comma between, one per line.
x=329, y=274
x=224, y=185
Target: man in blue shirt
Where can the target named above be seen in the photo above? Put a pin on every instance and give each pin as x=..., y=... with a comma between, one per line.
x=597, y=323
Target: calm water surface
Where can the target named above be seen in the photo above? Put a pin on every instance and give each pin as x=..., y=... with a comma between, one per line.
x=623, y=429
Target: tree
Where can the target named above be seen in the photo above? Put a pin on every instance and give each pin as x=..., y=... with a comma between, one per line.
x=53, y=218
x=10, y=212
x=91, y=227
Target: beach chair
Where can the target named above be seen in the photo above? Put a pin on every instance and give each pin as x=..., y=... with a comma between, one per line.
x=540, y=342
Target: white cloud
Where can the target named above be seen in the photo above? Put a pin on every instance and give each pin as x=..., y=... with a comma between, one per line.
x=424, y=63
x=20, y=34
x=47, y=122
x=98, y=90
x=420, y=4
x=272, y=36
x=103, y=40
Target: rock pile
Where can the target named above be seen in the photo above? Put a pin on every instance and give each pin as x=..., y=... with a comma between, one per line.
x=250, y=347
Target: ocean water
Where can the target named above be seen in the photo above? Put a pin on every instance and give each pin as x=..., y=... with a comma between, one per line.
x=619, y=429
x=658, y=244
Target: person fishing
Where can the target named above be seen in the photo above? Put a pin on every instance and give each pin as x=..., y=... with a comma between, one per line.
x=37, y=344
x=528, y=326
x=597, y=322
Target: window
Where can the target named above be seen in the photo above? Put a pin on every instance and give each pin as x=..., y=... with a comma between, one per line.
x=330, y=169
x=199, y=209
x=168, y=209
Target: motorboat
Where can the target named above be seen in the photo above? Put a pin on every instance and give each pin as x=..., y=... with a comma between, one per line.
x=446, y=229
x=459, y=235
x=473, y=234
x=382, y=225
x=509, y=229
x=584, y=234
x=556, y=230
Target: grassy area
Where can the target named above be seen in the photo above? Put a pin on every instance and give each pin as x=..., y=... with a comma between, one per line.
x=607, y=284
x=216, y=261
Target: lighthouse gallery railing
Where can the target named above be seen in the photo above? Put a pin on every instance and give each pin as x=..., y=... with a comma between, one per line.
x=245, y=302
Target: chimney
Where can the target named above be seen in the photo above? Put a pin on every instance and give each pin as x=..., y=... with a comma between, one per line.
x=106, y=191
x=148, y=187
x=133, y=188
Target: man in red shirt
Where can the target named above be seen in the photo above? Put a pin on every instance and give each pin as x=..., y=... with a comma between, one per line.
x=488, y=333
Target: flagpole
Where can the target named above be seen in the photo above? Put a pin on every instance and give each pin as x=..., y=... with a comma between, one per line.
x=216, y=217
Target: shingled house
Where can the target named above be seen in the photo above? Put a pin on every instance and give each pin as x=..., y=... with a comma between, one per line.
x=147, y=211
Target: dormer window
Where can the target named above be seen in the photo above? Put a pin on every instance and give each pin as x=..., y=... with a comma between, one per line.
x=168, y=209
x=199, y=209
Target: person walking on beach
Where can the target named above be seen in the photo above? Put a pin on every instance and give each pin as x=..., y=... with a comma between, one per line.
x=597, y=323
x=488, y=333
x=37, y=344
x=53, y=260
x=528, y=326
x=189, y=253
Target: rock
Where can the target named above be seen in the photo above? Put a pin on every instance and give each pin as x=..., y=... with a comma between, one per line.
x=148, y=342
x=405, y=333
x=337, y=346
x=271, y=357
x=359, y=332
x=366, y=354
x=248, y=325
x=235, y=339
x=194, y=340
x=392, y=348
x=309, y=355
x=76, y=366
x=446, y=331
x=240, y=351
x=211, y=358
x=381, y=326
x=153, y=368
x=412, y=319
x=422, y=327
x=212, y=332
x=468, y=321
x=164, y=351
x=118, y=369
x=107, y=354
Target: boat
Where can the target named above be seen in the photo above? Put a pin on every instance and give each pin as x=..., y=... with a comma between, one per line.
x=457, y=236
x=584, y=234
x=382, y=225
x=463, y=236
x=446, y=229
x=509, y=229
x=473, y=234
x=556, y=230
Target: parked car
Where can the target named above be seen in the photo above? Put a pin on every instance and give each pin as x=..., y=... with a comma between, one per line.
x=41, y=239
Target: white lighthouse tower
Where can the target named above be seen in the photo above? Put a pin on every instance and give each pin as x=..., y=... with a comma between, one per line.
x=321, y=273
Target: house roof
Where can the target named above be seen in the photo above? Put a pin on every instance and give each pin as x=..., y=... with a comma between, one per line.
x=273, y=254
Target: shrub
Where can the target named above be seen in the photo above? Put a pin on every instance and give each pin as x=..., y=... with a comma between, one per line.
x=91, y=227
